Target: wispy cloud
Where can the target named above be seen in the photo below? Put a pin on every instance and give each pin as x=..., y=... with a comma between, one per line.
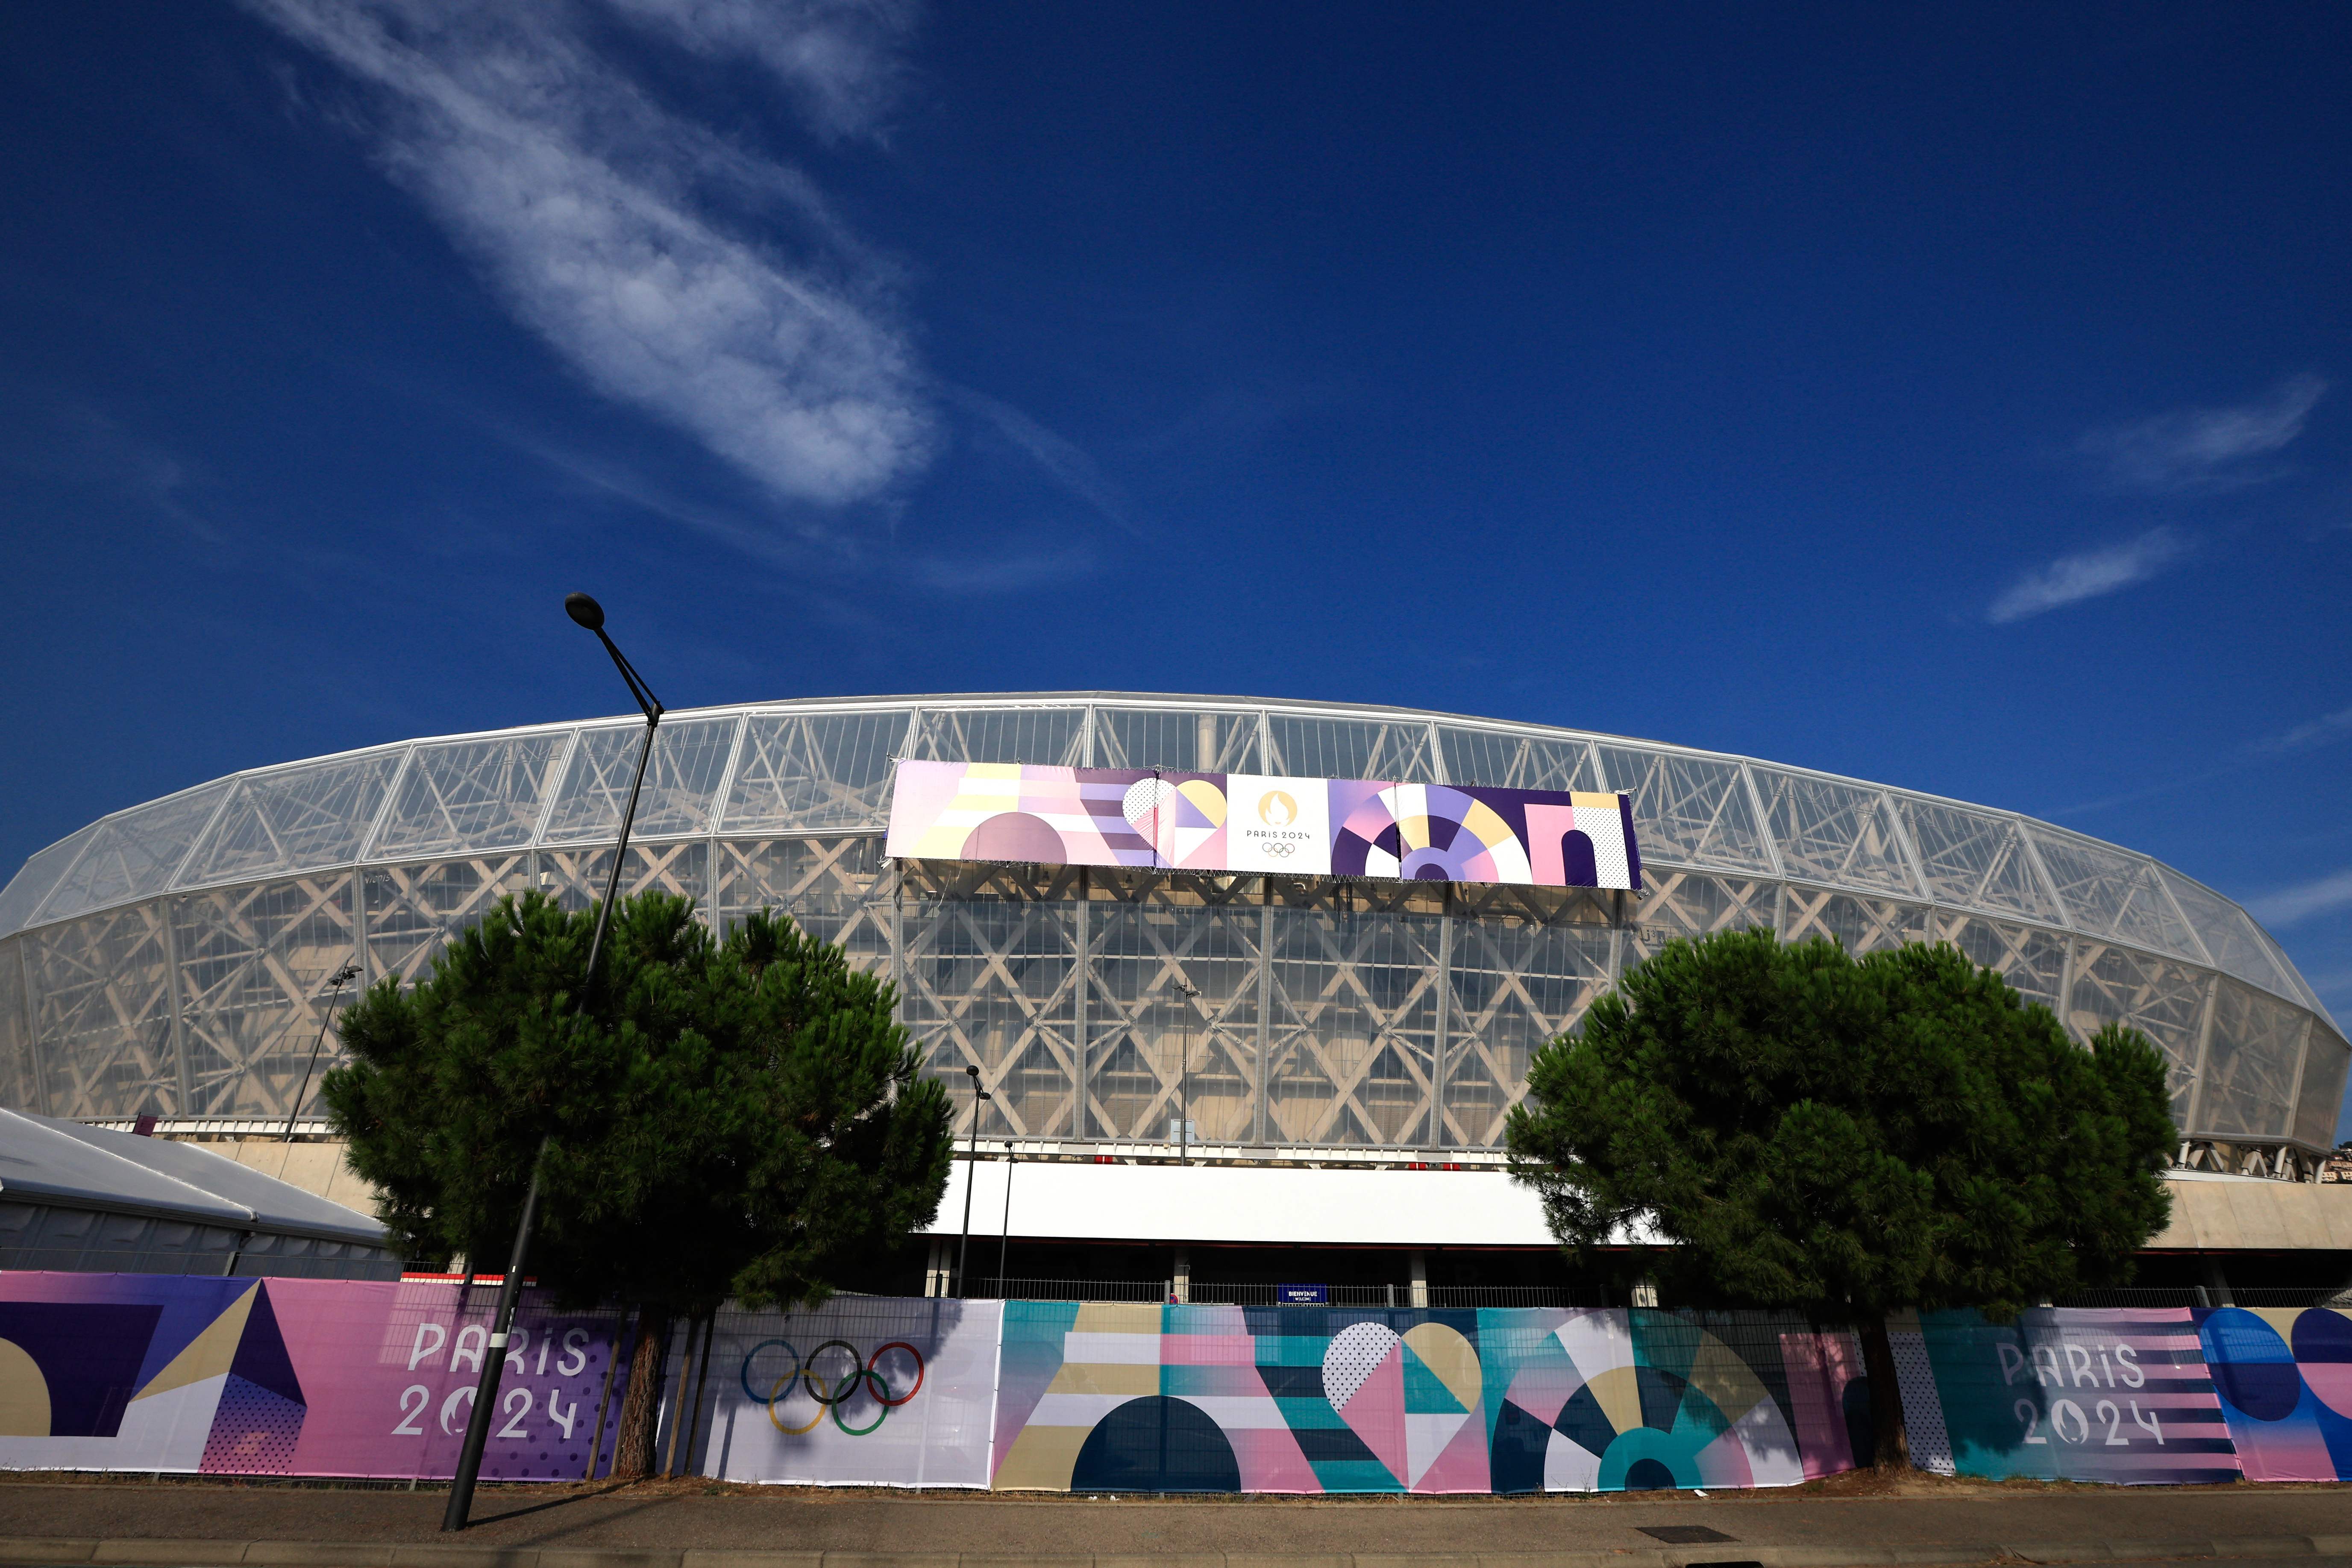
x=2289, y=906
x=1064, y=461
x=2318, y=732
x=674, y=270
x=2071, y=579
x=2194, y=450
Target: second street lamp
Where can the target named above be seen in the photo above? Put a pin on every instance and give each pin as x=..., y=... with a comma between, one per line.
x=590, y=614
x=970, y=1169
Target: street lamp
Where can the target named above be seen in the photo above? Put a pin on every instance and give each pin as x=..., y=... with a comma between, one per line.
x=970, y=1169
x=590, y=614
x=1005, y=1247
x=1184, y=1075
x=337, y=981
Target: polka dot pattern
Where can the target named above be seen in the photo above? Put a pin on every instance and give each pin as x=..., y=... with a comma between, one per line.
x=1356, y=1352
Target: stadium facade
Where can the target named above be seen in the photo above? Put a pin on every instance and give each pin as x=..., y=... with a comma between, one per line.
x=172, y=960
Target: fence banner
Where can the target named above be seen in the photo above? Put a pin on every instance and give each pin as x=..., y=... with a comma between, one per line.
x=2120, y=1396
x=865, y=1391
x=288, y=1377
x=1286, y=1399
x=2285, y=1380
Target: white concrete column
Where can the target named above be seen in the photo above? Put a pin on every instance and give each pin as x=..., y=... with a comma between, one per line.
x=1179, y=1284
x=1420, y=1261
x=942, y=1265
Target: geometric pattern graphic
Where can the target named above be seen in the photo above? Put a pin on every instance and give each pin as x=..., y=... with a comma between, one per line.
x=2285, y=1381
x=1244, y=822
x=172, y=958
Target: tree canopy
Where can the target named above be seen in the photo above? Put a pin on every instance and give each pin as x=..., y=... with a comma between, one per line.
x=1806, y=1130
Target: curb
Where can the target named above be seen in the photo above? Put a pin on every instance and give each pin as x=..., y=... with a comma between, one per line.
x=164, y=1552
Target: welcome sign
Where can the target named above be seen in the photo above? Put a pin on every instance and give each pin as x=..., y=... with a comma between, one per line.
x=1155, y=819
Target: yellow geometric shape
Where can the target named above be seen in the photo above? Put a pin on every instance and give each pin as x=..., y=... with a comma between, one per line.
x=1116, y=1317
x=1592, y=802
x=1619, y=1396
x=210, y=1353
x=1207, y=797
x=24, y=1394
x=1105, y=1377
x=1041, y=1458
x=1723, y=1377
x=1447, y=1353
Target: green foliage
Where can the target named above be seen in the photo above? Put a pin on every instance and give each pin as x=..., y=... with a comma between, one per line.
x=740, y=1118
x=1807, y=1129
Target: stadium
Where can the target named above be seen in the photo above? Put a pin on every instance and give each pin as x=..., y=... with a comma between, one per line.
x=175, y=960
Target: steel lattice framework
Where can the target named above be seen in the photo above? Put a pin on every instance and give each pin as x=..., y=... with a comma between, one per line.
x=172, y=958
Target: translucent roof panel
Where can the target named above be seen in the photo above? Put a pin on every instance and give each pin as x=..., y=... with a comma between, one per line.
x=1691, y=810
x=2325, y=1057
x=1184, y=743
x=1976, y=859
x=1054, y=737
x=1834, y=831
x=1313, y=747
x=1515, y=762
x=815, y=771
x=34, y=879
x=2113, y=893
x=134, y=853
x=2279, y=960
x=291, y=819
x=471, y=795
x=2251, y=1061
x=681, y=784
x=2228, y=933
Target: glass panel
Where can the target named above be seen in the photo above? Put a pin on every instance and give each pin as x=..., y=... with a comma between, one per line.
x=576, y=878
x=1834, y=832
x=1393, y=749
x=102, y=1009
x=1181, y=742
x=2113, y=893
x=1693, y=810
x=253, y=963
x=817, y=771
x=1516, y=984
x=2033, y=962
x=1050, y=736
x=1352, y=1042
x=294, y=819
x=2165, y=1001
x=2320, y=1102
x=1975, y=858
x=34, y=879
x=2302, y=988
x=681, y=781
x=414, y=910
x=836, y=889
x=471, y=795
x=1687, y=903
x=133, y=854
x=991, y=979
x=1153, y=1053
x=20, y=1087
x=2228, y=933
x=1515, y=762
x=2250, y=1065
x=1858, y=925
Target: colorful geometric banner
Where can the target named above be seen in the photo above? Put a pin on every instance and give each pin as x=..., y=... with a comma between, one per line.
x=2285, y=1380
x=1251, y=823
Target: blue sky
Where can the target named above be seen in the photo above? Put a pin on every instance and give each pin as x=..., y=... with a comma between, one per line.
x=1957, y=399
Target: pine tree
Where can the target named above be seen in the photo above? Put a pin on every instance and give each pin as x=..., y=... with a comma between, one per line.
x=736, y=1119
x=1804, y=1129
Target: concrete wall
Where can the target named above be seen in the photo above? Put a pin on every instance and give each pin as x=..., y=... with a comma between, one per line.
x=2227, y=1214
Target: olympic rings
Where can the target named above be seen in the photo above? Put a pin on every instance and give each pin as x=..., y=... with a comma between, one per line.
x=803, y=1371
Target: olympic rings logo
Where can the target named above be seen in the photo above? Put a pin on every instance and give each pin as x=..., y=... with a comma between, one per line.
x=831, y=1393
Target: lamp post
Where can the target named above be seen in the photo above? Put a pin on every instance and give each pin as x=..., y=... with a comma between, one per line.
x=1004, y=1246
x=337, y=981
x=590, y=614
x=1184, y=1075
x=970, y=1169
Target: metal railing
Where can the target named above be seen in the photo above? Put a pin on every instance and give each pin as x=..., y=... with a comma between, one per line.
x=1200, y=1292
x=2209, y=1296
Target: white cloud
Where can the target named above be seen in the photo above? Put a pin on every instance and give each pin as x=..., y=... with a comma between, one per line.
x=1063, y=460
x=2316, y=733
x=622, y=234
x=839, y=57
x=2290, y=905
x=2203, y=448
x=2073, y=578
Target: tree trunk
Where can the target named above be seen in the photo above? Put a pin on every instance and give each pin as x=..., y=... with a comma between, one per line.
x=633, y=1445
x=1888, y=1437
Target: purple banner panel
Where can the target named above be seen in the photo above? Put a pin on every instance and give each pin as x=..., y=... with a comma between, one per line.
x=1145, y=818
x=2285, y=1377
x=290, y=1378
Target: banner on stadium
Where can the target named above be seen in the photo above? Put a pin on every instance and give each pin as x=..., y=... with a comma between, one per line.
x=1147, y=819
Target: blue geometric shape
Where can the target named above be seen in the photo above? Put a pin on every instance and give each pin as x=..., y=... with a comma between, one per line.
x=261, y=1358
x=1516, y=1456
x=1156, y=1444
x=90, y=1353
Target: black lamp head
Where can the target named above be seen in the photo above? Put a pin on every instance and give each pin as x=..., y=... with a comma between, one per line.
x=972, y=1072
x=584, y=610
